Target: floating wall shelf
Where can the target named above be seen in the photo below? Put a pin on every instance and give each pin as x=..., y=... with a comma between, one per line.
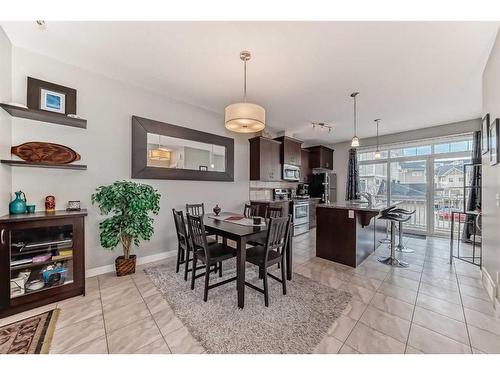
x=44, y=116
x=20, y=163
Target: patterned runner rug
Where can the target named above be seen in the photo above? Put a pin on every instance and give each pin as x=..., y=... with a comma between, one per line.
x=32, y=335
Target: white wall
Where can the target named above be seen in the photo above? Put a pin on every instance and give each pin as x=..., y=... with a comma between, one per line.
x=5, y=121
x=105, y=146
x=341, y=153
x=491, y=174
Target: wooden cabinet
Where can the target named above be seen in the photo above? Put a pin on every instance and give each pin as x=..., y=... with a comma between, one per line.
x=265, y=159
x=313, y=205
x=305, y=169
x=42, y=259
x=321, y=157
x=290, y=152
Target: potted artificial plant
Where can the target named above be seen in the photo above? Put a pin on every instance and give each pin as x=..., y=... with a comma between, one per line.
x=130, y=205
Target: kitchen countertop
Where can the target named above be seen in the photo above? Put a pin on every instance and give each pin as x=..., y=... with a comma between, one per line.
x=347, y=205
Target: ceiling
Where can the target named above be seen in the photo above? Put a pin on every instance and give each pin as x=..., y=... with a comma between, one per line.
x=409, y=74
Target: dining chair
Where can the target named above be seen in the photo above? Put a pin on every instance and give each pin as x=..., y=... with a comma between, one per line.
x=250, y=210
x=184, y=247
x=197, y=209
x=273, y=212
x=209, y=255
x=273, y=252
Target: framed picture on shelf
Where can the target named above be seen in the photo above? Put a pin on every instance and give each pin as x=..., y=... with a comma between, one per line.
x=485, y=131
x=493, y=145
x=48, y=96
x=203, y=168
x=52, y=101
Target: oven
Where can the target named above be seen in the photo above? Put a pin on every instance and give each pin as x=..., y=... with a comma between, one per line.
x=300, y=217
x=291, y=172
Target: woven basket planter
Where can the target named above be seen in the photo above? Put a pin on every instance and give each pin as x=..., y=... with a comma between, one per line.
x=125, y=266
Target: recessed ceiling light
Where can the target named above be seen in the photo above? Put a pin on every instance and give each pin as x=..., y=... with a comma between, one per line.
x=41, y=25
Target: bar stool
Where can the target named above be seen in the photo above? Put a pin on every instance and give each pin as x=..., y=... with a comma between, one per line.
x=400, y=246
x=393, y=217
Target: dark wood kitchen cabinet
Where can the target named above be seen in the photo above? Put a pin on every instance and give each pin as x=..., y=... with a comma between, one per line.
x=305, y=168
x=313, y=205
x=290, y=152
x=321, y=157
x=265, y=159
x=42, y=259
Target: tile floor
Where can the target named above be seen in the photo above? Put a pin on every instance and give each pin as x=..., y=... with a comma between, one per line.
x=430, y=307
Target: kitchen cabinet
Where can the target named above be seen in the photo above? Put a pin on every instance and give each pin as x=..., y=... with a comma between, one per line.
x=42, y=259
x=313, y=205
x=305, y=169
x=321, y=157
x=265, y=159
x=290, y=150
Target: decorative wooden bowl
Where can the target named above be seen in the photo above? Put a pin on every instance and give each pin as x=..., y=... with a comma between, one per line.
x=45, y=153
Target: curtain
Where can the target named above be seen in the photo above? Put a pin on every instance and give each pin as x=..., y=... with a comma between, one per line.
x=474, y=197
x=352, y=176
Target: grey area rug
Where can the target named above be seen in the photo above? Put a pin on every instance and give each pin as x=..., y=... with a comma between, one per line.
x=293, y=323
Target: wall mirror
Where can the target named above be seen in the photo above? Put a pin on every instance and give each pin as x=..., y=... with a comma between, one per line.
x=171, y=152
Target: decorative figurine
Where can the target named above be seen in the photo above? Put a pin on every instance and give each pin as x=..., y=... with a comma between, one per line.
x=50, y=203
x=217, y=210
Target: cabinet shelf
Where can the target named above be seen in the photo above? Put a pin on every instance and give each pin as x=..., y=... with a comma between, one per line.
x=20, y=163
x=39, y=264
x=44, y=116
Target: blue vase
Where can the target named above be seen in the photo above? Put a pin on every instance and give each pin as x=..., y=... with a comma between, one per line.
x=18, y=205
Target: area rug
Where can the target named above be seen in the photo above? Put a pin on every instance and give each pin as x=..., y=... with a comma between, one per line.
x=32, y=335
x=293, y=323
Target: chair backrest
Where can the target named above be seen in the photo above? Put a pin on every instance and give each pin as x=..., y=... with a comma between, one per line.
x=250, y=210
x=277, y=235
x=196, y=209
x=198, y=234
x=274, y=212
x=180, y=227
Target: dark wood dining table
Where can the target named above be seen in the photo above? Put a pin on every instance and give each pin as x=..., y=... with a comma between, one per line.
x=242, y=234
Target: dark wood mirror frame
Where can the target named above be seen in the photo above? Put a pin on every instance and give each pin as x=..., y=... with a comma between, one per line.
x=140, y=129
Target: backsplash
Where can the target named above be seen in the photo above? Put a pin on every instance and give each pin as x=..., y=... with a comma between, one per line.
x=263, y=190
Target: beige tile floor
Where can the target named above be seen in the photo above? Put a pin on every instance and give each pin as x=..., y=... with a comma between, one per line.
x=430, y=307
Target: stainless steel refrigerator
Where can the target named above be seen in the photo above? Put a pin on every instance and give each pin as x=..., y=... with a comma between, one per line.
x=324, y=185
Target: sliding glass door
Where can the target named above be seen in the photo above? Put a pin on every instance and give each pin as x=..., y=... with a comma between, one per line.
x=427, y=177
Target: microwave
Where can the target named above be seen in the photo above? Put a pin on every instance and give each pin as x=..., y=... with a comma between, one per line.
x=291, y=172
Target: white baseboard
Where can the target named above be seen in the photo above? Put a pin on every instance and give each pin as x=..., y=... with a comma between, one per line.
x=491, y=288
x=142, y=260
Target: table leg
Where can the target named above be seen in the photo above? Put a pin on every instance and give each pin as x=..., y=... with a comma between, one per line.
x=289, y=252
x=241, y=259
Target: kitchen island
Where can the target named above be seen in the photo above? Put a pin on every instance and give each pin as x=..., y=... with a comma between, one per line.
x=349, y=232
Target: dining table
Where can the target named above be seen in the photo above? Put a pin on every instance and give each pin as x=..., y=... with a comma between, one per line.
x=243, y=234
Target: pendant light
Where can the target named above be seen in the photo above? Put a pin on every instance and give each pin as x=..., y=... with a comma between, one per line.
x=212, y=165
x=355, y=139
x=245, y=117
x=377, y=151
x=160, y=153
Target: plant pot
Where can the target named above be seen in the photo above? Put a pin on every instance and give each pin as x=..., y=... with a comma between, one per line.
x=125, y=266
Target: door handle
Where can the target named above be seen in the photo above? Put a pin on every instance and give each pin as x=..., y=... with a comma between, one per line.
x=2, y=236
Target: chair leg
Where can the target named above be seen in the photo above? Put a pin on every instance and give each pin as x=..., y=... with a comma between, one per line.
x=179, y=254
x=207, y=277
x=186, y=268
x=261, y=273
x=193, y=274
x=220, y=269
x=283, y=275
x=266, y=290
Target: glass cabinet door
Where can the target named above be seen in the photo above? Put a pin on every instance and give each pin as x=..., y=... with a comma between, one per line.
x=41, y=258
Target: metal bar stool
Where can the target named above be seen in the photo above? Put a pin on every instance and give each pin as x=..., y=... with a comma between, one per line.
x=393, y=217
x=400, y=246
